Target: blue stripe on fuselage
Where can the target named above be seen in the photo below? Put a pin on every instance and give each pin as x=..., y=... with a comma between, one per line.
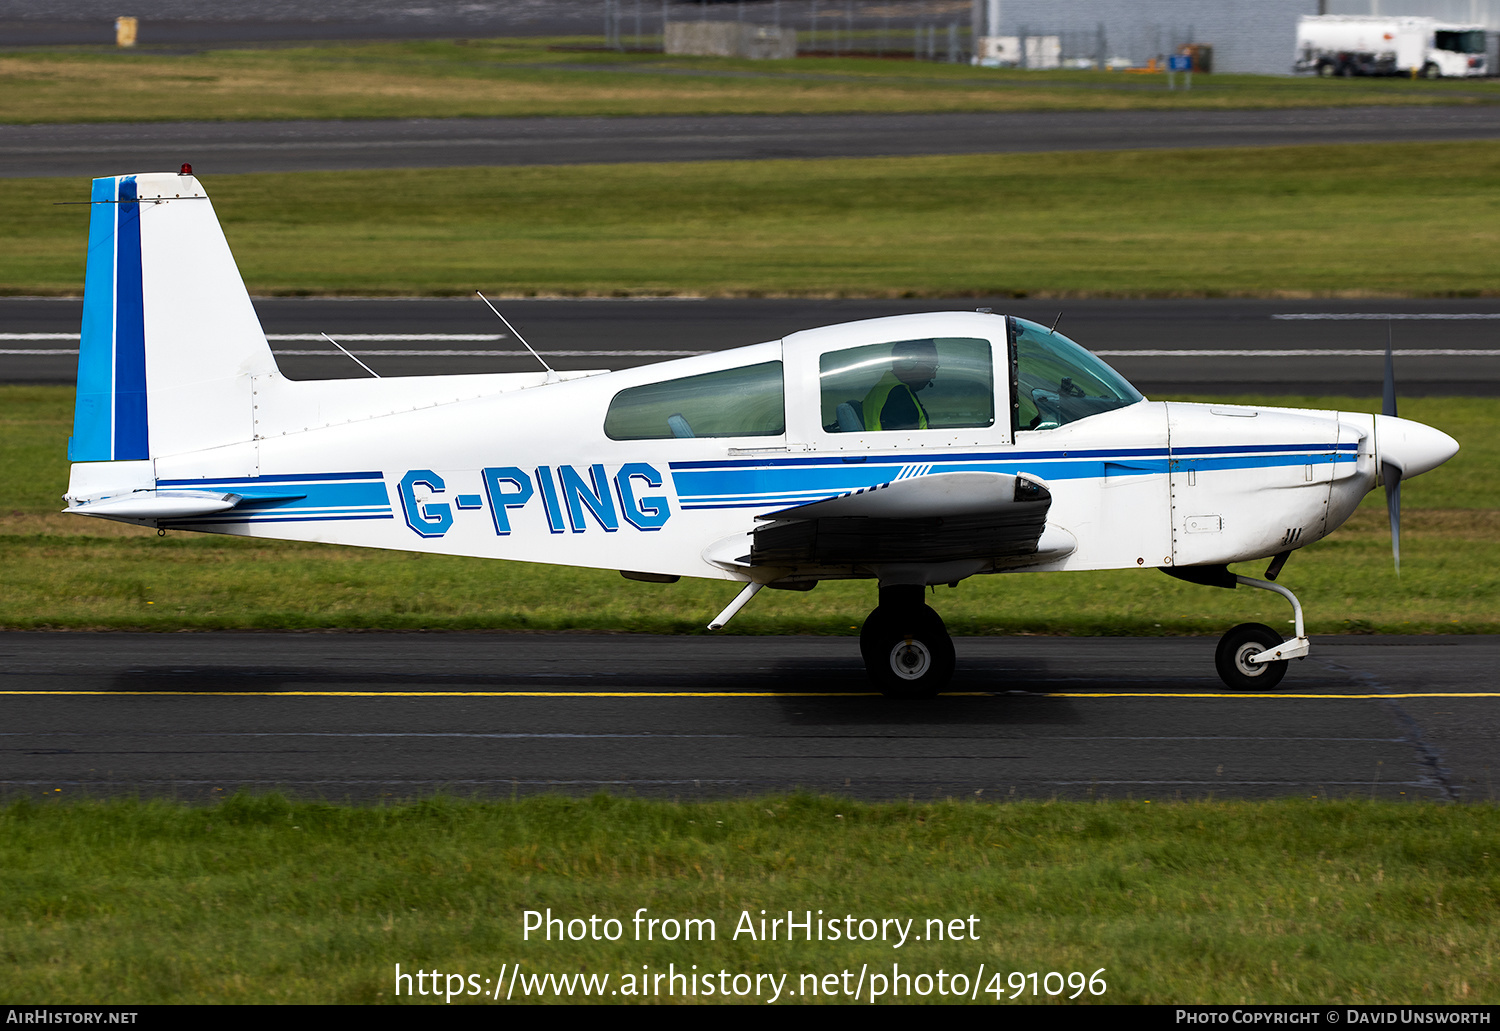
x=324, y=497
x=770, y=482
x=328, y=496
x=1015, y=456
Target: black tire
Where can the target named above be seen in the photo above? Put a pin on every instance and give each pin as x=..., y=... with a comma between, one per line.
x=1240, y=642
x=1431, y=71
x=907, y=651
x=1326, y=69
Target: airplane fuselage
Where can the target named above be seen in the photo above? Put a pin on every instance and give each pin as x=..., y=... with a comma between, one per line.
x=530, y=475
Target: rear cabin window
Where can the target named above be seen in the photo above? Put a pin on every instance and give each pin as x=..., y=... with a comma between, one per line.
x=743, y=402
x=932, y=383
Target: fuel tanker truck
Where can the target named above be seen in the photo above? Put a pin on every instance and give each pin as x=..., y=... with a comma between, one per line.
x=1337, y=44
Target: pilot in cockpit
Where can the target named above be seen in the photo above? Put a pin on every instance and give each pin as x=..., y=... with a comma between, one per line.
x=892, y=403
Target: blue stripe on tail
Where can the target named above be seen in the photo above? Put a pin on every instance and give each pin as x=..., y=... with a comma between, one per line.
x=93, y=412
x=130, y=332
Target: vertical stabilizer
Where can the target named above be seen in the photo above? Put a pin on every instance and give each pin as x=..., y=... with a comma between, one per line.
x=170, y=342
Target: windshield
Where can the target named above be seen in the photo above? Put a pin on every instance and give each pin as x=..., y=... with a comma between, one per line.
x=1059, y=382
x=1469, y=41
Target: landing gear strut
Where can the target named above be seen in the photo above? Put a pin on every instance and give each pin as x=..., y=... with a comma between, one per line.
x=906, y=648
x=1252, y=656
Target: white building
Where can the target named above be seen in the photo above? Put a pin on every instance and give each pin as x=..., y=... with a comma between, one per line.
x=1248, y=36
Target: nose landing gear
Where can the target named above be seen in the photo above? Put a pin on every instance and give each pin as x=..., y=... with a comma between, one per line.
x=906, y=647
x=1252, y=656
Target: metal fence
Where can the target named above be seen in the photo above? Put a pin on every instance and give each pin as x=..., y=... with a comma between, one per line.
x=924, y=30
x=929, y=30
x=1246, y=36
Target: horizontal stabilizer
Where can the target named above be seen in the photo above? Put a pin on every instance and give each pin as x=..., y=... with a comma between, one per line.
x=171, y=504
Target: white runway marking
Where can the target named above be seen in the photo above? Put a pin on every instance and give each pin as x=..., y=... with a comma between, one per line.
x=1331, y=352
x=1381, y=316
x=394, y=353
x=292, y=337
x=1346, y=352
x=1306, y=352
x=382, y=352
x=404, y=337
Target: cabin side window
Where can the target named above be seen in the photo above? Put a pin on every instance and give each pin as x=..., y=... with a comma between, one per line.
x=932, y=383
x=743, y=402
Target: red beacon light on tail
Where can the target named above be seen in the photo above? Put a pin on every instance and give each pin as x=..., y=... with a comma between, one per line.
x=186, y=169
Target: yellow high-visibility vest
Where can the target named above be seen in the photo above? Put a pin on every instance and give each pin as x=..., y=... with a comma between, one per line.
x=875, y=401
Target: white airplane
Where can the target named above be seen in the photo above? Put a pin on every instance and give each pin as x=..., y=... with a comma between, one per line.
x=914, y=451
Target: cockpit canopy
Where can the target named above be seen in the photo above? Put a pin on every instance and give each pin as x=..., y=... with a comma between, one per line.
x=949, y=377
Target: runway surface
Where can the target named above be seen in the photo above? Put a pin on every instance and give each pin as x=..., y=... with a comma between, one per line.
x=218, y=148
x=366, y=716
x=184, y=23
x=1166, y=348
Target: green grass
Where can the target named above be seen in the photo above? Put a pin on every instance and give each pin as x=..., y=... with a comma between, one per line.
x=265, y=900
x=522, y=77
x=1399, y=220
x=65, y=572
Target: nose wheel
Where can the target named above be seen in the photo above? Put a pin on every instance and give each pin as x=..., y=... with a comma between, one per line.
x=906, y=647
x=1236, y=651
x=1252, y=656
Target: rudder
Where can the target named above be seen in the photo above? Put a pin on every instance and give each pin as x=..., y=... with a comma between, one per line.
x=170, y=342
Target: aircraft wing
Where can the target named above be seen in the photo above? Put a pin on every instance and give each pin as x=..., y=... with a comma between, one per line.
x=941, y=517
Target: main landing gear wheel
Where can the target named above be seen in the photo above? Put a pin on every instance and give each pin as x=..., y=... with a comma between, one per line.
x=1235, y=649
x=907, y=651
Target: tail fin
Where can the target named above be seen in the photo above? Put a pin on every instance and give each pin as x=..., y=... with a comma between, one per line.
x=170, y=341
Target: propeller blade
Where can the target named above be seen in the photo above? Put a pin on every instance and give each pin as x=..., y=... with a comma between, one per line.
x=1388, y=404
x=1391, y=473
x=1392, y=477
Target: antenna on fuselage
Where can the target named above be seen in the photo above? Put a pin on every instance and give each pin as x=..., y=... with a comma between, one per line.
x=551, y=372
x=340, y=346
x=1054, y=324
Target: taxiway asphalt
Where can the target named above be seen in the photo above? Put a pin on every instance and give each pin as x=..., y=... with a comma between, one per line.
x=1165, y=347
x=219, y=148
x=374, y=715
